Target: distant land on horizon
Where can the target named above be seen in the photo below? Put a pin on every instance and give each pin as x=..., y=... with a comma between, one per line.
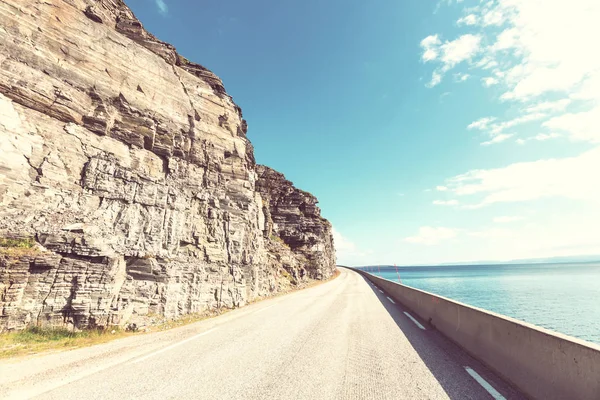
x=546, y=260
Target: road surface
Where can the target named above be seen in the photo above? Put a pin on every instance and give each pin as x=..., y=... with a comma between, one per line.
x=344, y=339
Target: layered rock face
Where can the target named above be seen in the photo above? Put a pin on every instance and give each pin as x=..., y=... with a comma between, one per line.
x=293, y=216
x=129, y=167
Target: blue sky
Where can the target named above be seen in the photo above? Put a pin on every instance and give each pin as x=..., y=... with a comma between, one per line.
x=430, y=131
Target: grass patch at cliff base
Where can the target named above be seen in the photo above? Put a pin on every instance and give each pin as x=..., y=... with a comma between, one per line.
x=37, y=339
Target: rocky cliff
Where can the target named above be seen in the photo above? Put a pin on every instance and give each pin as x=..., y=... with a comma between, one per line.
x=128, y=187
x=293, y=216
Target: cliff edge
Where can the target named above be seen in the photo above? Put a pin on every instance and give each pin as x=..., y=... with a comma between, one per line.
x=128, y=187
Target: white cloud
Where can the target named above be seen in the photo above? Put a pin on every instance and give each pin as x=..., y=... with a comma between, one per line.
x=481, y=123
x=550, y=59
x=459, y=50
x=429, y=55
x=430, y=41
x=498, y=139
x=583, y=126
x=521, y=141
x=548, y=106
x=507, y=219
x=541, y=137
x=162, y=7
x=461, y=77
x=486, y=63
x=489, y=81
x=436, y=78
x=430, y=48
x=449, y=53
x=542, y=67
x=430, y=235
x=445, y=202
x=493, y=17
x=470, y=19
x=572, y=178
x=441, y=188
x=507, y=39
x=495, y=131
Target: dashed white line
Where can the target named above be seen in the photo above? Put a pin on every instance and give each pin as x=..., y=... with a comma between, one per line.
x=381, y=291
x=485, y=384
x=414, y=320
x=393, y=302
x=172, y=346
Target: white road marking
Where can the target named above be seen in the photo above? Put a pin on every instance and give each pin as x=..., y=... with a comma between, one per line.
x=172, y=346
x=485, y=384
x=381, y=291
x=414, y=320
x=393, y=302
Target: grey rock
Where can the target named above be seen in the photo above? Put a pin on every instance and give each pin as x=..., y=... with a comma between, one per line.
x=130, y=167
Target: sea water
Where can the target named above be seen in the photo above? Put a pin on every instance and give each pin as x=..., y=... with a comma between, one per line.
x=561, y=297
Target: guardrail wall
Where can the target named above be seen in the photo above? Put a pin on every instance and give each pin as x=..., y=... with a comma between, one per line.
x=541, y=363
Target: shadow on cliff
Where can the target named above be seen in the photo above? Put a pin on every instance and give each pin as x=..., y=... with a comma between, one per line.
x=438, y=352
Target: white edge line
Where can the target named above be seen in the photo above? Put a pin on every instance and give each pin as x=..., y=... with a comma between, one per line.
x=414, y=320
x=172, y=346
x=393, y=302
x=485, y=384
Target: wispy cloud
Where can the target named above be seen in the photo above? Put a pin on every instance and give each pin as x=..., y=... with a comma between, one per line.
x=509, y=42
x=497, y=139
x=449, y=54
x=570, y=178
x=445, y=202
x=162, y=7
x=470, y=19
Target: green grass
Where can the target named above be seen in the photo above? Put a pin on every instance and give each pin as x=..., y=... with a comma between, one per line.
x=16, y=247
x=26, y=243
x=36, y=340
x=36, y=334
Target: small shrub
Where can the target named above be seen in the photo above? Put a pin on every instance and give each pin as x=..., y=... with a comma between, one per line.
x=16, y=247
x=16, y=243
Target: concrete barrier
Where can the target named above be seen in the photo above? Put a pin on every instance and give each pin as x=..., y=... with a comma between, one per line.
x=541, y=363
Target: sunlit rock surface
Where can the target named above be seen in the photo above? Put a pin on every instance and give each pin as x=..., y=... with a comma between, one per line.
x=130, y=168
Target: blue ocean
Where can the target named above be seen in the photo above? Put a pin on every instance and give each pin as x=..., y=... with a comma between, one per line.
x=561, y=297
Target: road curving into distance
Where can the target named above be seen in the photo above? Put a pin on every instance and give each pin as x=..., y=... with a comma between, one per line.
x=344, y=339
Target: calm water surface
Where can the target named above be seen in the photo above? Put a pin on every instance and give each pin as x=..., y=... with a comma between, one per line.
x=561, y=297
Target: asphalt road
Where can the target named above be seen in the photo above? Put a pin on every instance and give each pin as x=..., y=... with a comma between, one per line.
x=340, y=340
